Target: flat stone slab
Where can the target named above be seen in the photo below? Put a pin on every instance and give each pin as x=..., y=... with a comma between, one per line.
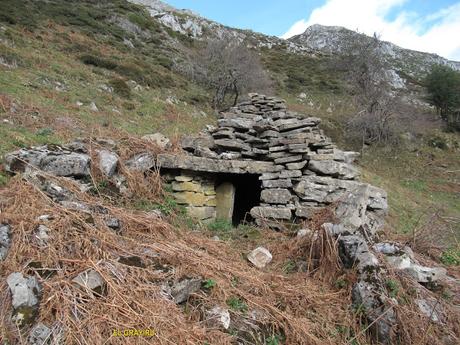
x=215, y=165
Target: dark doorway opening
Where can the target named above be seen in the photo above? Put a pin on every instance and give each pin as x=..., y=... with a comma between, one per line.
x=247, y=194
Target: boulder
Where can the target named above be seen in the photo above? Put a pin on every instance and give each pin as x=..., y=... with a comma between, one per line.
x=55, y=160
x=260, y=257
x=108, y=162
x=158, y=139
x=218, y=317
x=5, y=240
x=182, y=290
x=71, y=164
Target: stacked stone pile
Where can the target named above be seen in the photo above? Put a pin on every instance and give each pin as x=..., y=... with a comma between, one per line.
x=308, y=170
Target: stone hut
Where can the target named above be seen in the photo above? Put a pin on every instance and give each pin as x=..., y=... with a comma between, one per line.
x=263, y=163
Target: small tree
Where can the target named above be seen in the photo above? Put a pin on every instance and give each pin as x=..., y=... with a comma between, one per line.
x=230, y=70
x=367, y=74
x=443, y=86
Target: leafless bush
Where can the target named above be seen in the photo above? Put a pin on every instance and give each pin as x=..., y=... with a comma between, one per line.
x=229, y=69
x=368, y=77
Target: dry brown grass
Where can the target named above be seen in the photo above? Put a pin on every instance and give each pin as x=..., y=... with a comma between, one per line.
x=304, y=307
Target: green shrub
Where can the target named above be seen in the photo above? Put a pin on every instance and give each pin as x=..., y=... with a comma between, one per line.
x=237, y=304
x=120, y=87
x=97, y=61
x=438, y=142
x=451, y=257
x=220, y=225
x=209, y=283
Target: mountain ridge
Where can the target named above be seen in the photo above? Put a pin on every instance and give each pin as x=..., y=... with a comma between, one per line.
x=316, y=38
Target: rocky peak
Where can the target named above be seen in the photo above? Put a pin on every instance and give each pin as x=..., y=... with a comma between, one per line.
x=333, y=40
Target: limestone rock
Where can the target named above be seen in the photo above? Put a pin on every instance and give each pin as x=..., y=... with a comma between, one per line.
x=158, y=139
x=191, y=198
x=260, y=257
x=271, y=212
x=90, y=280
x=218, y=317
x=24, y=290
x=5, y=240
x=72, y=164
x=141, y=162
x=108, y=162
x=232, y=144
x=304, y=232
x=279, y=183
x=42, y=235
x=353, y=250
x=367, y=297
x=183, y=289
x=426, y=274
x=276, y=196
x=431, y=308
x=40, y=334
x=333, y=168
x=113, y=223
x=55, y=160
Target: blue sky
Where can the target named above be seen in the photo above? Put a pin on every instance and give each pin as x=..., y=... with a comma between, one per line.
x=426, y=25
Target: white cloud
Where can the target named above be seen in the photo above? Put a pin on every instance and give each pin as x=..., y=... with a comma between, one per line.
x=435, y=33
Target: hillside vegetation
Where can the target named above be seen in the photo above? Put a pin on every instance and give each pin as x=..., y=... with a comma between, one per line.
x=108, y=69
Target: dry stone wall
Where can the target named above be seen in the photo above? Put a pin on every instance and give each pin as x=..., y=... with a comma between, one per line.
x=301, y=169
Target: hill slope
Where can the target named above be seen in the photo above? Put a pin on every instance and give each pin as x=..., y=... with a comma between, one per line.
x=109, y=69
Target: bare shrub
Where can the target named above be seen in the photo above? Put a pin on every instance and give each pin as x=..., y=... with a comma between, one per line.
x=229, y=69
x=368, y=77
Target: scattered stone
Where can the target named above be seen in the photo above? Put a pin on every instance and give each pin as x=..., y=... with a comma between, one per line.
x=158, y=139
x=5, y=240
x=108, y=162
x=218, y=317
x=431, y=308
x=304, y=232
x=91, y=281
x=26, y=297
x=40, y=334
x=113, y=223
x=71, y=164
x=42, y=235
x=93, y=107
x=182, y=290
x=260, y=257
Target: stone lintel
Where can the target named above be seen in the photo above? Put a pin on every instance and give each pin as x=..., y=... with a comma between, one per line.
x=193, y=163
